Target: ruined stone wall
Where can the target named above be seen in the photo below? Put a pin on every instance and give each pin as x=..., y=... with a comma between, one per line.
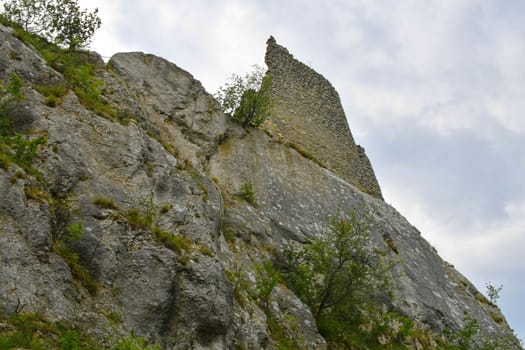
x=308, y=115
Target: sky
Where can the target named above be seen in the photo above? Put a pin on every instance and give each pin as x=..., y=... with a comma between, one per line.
x=434, y=90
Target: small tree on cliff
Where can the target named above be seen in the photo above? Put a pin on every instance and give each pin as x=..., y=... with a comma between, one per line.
x=59, y=21
x=338, y=274
x=247, y=98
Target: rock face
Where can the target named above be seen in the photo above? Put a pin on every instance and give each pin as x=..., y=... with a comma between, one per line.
x=307, y=114
x=173, y=171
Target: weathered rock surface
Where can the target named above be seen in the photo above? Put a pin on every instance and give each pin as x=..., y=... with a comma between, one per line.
x=177, y=166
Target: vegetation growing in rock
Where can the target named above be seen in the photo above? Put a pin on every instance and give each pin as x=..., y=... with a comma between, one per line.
x=267, y=279
x=62, y=246
x=337, y=269
x=247, y=98
x=79, y=70
x=66, y=232
x=14, y=147
x=341, y=278
x=285, y=333
x=53, y=94
x=247, y=193
x=33, y=331
x=143, y=218
x=493, y=292
x=59, y=21
x=469, y=338
x=106, y=203
x=240, y=285
x=10, y=97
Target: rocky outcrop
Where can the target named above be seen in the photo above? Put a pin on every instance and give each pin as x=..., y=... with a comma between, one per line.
x=308, y=115
x=172, y=252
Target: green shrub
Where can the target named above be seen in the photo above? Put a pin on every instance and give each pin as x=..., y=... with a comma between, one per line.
x=247, y=193
x=36, y=192
x=78, y=70
x=5, y=160
x=11, y=96
x=281, y=335
x=14, y=147
x=63, y=239
x=337, y=267
x=137, y=220
x=134, y=343
x=23, y=148
x=33, y=331
x=247, y=99
x=469, y=338
x=144, y=218
x=197, y=177
x=338, y=274
x=53, y=94
x=69, y=341
x=267, y=279
x=106, y=203
x=240, y=285
x=176, y=243
x=60, y=21
x=493, y=292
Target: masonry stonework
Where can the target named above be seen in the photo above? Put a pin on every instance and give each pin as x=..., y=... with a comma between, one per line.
x=307, y=114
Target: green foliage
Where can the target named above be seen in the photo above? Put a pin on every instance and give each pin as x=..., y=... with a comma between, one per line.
x=52, y=93
x=69, y=341
x=493, y=292
x=106, y=203
x=229, y=234
x=134, y=343
x=10, y=97
x=14, y=147
x=240, y=285
x=462, y=339
x=5, y=160
x=197, y=177
x=21, y=149
x=59, y=21
x=63, y=239
x=304, y=153
x=267, y=279
x=469, y=338
x=137, y=220
x=75, y=232
x=178, y=244
x=336, y=269
x=79, y=71
x=247, y=193
x=281, y=336
x=339, y=276
x=247, y=99
x=32, y=331
x=144, y=219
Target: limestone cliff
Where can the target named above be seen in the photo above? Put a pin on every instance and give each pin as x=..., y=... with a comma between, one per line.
x=165, y=239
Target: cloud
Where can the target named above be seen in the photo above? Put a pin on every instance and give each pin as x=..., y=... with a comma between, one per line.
x=442, y=64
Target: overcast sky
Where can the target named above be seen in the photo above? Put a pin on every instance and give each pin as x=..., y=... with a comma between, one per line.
x=434, y=91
